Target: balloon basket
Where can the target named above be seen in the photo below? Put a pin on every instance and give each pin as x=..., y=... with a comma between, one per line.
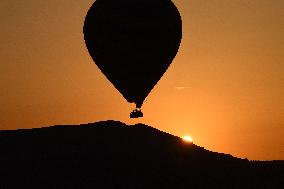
x=137, y=113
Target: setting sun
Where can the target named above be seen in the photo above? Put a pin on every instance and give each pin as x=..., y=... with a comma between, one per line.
x=187, y=139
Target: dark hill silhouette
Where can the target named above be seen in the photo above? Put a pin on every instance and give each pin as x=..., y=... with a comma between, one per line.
x=111, y=154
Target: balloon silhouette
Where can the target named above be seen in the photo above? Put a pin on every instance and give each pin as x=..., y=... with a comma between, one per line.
x=133, y=42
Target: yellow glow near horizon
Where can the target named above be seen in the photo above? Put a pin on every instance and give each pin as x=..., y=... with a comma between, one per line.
x=187, y=139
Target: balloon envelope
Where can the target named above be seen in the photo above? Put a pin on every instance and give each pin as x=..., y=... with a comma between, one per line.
x=133, y=42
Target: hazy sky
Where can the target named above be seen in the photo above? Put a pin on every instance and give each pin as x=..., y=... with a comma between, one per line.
x=225, y=88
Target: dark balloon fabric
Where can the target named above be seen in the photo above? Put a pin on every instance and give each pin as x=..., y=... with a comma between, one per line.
x=133, y=42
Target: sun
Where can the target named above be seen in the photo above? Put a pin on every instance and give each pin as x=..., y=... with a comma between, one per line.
x=187, y=138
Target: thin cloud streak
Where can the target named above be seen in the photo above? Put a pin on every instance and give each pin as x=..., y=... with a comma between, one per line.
x=182, y=88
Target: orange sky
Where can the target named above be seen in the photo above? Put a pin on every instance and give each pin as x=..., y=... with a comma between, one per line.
x=231, y=63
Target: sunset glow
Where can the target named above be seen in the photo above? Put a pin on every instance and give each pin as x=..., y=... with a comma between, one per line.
x=225, y=85
x=187, y=139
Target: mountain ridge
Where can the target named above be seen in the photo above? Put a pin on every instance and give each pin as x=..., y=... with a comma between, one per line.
x=111, y=154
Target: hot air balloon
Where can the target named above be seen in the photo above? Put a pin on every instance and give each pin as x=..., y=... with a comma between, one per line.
x=133, y=42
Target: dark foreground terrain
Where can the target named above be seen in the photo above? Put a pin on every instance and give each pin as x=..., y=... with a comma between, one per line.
x=113, y=155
